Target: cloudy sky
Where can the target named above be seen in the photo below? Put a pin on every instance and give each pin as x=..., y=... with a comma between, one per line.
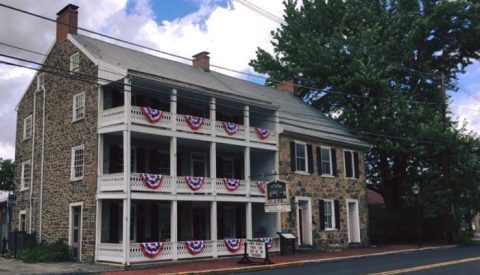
x=228, y=30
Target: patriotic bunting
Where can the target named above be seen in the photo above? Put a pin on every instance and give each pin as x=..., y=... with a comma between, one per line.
x=268, y=241
x=230, y=127
x=195, y=247
x=233, y=245
x=152, y=115
x=261, y=186
x=151, y=250
x=231, y=184
x=194, y=122
x=152, y=181
x=195, y=183
x=262, y=133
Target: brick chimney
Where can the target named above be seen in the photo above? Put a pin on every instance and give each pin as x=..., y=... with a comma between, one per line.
x=202, y=61
x=67, y=22
x=288, y=86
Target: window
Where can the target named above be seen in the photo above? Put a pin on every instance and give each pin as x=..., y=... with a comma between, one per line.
x=329, y=214
x=27, y=127
x=199, y=165
x=77, y=163
x=78, y=106
x=301, y=157
x=26, y=175
x=22, y=220
x=75, y=63
x=351, y=164
x=326, y=161
x=228, y=168
x=40, y=81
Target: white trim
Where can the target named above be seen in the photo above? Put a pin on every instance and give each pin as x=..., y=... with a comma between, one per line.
x=334, y=225
x=20, y=213
x=22, y=176
x=357, y=221
x=306, y=158
x=40, y=85
x=345, y=166
x=70, y=227
x=25, y=127
x=331, y=161
x=309, y=228
x=74, y=67
x=75, y=109
x=72, y=163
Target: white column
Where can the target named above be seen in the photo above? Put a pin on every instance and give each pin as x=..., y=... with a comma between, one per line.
x=277, y=159
x=247, y=169
x=100, y=159
x=98, y=226
x=246, y=121
x=213, y=115
x=213, y=166
x=126, y=170
x=249, y=221
x=173, y=109
x=173, y=163
x=173, y=229
x=213, y=227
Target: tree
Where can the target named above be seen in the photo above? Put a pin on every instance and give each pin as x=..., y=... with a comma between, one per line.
x=380, y=67
x=6, y=174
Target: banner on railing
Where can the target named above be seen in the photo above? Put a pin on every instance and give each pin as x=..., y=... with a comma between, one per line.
x=268, y=241
x=233, y=245
x=262, y=133
x=195, y=183
x=152, y=181
x=194, y=122
x=152, y=115
x=230, y=127
x=261, y=186
x=195, y=247
x=231, y=184
x=151, y=250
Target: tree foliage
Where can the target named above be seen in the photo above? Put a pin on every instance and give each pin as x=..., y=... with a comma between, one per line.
x=6, y=174
x=380, y=67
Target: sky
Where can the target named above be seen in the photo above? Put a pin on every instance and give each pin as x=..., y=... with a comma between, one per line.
x=228, y=30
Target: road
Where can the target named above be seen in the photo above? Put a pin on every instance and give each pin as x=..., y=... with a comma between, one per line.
x=458, y=261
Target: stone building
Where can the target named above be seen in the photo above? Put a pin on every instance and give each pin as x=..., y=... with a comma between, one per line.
x=130, y=158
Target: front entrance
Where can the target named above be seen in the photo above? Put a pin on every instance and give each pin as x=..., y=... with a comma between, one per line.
x=353, y=221
x=75, y=234
x=304, y=220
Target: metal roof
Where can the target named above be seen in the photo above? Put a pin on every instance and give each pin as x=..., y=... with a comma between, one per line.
x=296, y=117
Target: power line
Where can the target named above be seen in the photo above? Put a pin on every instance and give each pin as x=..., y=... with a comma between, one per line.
x=261, y=11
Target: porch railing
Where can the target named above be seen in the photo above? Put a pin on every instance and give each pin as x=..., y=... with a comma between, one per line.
x=139, y=118
x=220, y=188
x=110, y=252
x=112, y=116
x=220, y=131
x=272, y=136
x=182, y=186
x=138, y=185
x=182, y=125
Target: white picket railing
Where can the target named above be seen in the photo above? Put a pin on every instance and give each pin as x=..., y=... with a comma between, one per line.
x=139, y=118
x=136, y=253
x=182, y=125
x=112, y=116
x=137, y=184
x=220, y=131
x=207, y=251
x=255, y=190
x=111, y=182
x=182, y=186
x=110, y=252
x=272, y=137
x=222, y=249
x=220, y=188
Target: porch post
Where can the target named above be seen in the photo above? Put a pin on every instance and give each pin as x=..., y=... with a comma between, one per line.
x=213, y=115
x=249, y=221
x=173, y=164
x=247, y=169
x=213, y=227
x=98, y=226
x=173, y=109
x=173, y=229
x=246, y=121
x=277, y=159
x=126, y=170
x=213, y=166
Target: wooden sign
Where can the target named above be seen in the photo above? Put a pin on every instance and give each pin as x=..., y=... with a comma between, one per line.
x=256, y=249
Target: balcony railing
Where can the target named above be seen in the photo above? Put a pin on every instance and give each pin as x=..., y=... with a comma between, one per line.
x=116, y=116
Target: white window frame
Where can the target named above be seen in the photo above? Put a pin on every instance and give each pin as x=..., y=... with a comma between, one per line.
x=75, y=63
x=345, y=165
x=75, y=108
x=72, y=164
x=331, y=159
x=20, y=214
x=70, y=226
x=41, y=81
x=22, y=182
x=304, y=172
x=30, y=117
x=332, y=203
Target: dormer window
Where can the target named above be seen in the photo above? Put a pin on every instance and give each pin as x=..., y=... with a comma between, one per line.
x=40, y=81
x=75, y=63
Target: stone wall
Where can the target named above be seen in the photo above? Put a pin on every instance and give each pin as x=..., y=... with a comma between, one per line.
x=61, y=134
x=319, y=187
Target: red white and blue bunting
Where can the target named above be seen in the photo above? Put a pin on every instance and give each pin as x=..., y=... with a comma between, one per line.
x=195, y=247
x=152, y=115
x=195, y=183
x=268, y=241
x=194, y=122
x=261, y=186
x=151, y=250
x=233, y=245
x=152, y=181
x=230, y=127
x=231, y=184
x=262, y=133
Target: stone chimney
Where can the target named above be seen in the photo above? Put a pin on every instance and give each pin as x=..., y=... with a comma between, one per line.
x=202, y=61
x=288, y=86
x=67, y=22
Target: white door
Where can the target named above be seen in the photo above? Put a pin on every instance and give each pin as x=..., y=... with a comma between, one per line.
x=353, y=222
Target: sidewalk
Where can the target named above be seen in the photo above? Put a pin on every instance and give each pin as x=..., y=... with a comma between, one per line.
x=224, y=266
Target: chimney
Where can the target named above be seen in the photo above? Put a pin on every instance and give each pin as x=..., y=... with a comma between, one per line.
x=288, y=86
x=202, y=61
x=67, y=22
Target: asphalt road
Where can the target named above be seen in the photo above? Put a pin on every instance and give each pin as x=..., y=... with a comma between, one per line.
x=457, y=261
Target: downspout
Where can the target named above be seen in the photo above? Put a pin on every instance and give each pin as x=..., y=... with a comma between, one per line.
x=41, y=169
x=33, y=159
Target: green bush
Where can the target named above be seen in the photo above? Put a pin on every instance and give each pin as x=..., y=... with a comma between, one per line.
x=58, y=251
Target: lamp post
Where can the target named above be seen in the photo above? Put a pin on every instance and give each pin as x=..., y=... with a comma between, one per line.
x=416, y=192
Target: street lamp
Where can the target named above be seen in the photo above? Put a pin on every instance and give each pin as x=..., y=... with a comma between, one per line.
x=416, y=192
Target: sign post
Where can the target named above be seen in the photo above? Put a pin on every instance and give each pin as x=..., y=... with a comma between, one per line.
x=255, y=249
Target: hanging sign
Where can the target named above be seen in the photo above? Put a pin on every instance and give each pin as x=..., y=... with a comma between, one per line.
x=276, y=199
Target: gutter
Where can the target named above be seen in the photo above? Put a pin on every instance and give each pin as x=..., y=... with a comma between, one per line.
x=33, y=159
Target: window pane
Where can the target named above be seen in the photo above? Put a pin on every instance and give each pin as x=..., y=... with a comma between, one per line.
x=348, y=164
x=78, y=162
x=326, y=161
x=301, y=164
x=300, y=150
x=328, y=214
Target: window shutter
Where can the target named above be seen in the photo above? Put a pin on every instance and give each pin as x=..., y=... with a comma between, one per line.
x=319, y=160
x=321, y=210
x=348, y=164
x=337, y=213
x=293, y=165
x=333, y=152
x=356, y=165
x=310, y=158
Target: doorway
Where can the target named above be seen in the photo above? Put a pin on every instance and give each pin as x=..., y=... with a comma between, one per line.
x=304, y=220
x=75, y=232
x=353, y=221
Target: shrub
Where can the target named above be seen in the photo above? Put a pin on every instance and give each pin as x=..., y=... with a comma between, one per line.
x=58, y=251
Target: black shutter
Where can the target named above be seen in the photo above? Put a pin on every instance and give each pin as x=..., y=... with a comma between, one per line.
x=293, y=165
x=321, y=210
x=310, y=158
x=337, y=214
x=334, y=161
x=319, y=160
x=348, y=164
x=356, y=165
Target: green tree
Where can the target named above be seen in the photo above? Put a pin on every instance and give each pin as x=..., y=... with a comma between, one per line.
x=380, y=68
x=6, y=174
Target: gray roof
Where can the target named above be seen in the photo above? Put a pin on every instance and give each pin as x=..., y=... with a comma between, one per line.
x=296, y=117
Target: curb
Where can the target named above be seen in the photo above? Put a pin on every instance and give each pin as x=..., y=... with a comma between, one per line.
x=304, y=262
